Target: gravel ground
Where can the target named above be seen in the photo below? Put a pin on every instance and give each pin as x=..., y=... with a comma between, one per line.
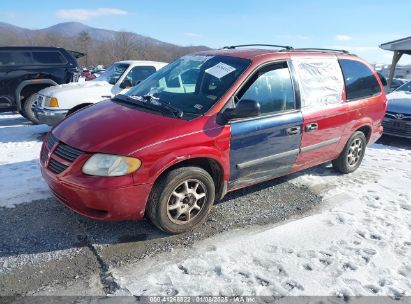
x=46, y=248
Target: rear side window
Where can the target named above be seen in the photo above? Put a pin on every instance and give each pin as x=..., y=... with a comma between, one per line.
x=359, y=80
x=320, y=80
x=15, y=58
x=48, y=58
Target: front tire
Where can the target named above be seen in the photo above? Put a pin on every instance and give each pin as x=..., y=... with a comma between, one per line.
x=181, y=199
x=352, y=155
x=28, y=109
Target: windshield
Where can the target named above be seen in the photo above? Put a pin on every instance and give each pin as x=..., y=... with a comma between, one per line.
x=193, y=83
x=113, y=73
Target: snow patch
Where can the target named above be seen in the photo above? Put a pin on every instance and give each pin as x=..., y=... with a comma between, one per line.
x=360, y=243
x=20, y=177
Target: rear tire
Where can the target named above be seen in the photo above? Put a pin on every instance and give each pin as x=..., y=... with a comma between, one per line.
x=351, y=157
x=23, y=114
x=181, y=199
x=28, y=109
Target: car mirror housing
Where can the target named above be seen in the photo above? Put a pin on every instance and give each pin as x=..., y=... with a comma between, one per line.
x=245, y=108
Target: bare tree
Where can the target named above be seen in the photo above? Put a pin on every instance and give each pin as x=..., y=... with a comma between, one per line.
x=125, y=46
x=120, y=46
x=84, y=43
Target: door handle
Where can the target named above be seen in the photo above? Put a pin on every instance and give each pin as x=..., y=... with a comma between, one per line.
x=311, y=127
x=293, y=130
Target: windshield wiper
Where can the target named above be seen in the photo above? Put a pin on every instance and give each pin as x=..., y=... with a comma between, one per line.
x=157, y=101
x=136, y=101
x=150, y=102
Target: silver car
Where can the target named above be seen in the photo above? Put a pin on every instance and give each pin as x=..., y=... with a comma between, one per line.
x=397, y=120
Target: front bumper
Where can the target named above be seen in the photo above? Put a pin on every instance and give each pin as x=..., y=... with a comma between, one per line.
x=50, y=117
x=102, y=198
x=100, y=203
x=396, y=127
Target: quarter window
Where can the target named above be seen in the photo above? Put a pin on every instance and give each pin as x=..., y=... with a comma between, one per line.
x=48, y=58
x=359, y=80
x=272, y=88
x=14, y=58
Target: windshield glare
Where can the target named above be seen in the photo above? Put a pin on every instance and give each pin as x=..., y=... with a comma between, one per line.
x=405, y=87
x=192, y=83
x=113, y=73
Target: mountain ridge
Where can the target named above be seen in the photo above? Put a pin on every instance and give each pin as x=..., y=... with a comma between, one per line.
x=102, y=46
x=73, y=29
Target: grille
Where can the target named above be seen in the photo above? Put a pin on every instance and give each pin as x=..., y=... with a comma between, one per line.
x=390, y=127
x=39, y=100
x=51, y=141
x=62, y=150
x=56, y=167
x=43, y=156
x=393, y=115
x=68, y=153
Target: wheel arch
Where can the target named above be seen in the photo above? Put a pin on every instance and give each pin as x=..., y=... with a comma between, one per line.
x=208, y=163
x=33, y=85
x=367, y=130
x=79, y=107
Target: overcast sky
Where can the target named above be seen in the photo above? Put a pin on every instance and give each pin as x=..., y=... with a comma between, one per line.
x=359, y=26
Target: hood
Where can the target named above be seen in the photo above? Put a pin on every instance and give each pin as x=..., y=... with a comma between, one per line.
x=72, y=87
x=108, y=127
x=399, y=102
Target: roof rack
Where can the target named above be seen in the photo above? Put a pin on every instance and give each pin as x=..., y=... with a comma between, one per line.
x=321, y=50
x=231, y=47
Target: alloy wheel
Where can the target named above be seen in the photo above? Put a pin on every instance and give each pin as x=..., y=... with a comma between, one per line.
x=186, y=201
x=355, y=152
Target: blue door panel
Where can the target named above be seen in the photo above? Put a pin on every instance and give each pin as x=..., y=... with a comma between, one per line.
x=261, y=148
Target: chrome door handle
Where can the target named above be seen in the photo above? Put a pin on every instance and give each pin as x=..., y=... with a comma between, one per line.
x=293, y=130
x=311, y=127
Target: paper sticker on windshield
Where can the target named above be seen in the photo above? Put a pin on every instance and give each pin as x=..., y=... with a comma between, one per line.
x=220, y=70
x=199, y=58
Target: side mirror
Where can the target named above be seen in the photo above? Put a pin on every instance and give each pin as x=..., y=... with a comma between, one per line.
x=245, y=108
x=126, y=84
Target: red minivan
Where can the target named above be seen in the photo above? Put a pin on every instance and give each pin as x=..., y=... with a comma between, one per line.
x=210, y=123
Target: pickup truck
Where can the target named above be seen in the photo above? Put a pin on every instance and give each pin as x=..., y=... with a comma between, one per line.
x=54, y=103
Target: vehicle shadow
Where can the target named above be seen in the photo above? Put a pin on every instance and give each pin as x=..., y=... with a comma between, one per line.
x=45, y=226
x=398, y=142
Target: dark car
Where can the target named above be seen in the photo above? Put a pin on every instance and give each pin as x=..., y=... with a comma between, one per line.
x=26, y=70
x=397, y=120
x=396, y=83
x=210, y=123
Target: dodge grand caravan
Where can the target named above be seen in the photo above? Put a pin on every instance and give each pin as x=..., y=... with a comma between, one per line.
x=210, y=123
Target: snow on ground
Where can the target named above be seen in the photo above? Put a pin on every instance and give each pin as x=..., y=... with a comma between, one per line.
x=20, y=177
x=359, y=244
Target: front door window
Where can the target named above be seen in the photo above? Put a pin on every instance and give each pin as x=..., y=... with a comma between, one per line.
x=139, y=73
x=272, y=88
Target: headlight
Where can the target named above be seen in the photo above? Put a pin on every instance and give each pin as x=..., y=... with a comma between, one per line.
x=110, y=165
x=51, y=102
